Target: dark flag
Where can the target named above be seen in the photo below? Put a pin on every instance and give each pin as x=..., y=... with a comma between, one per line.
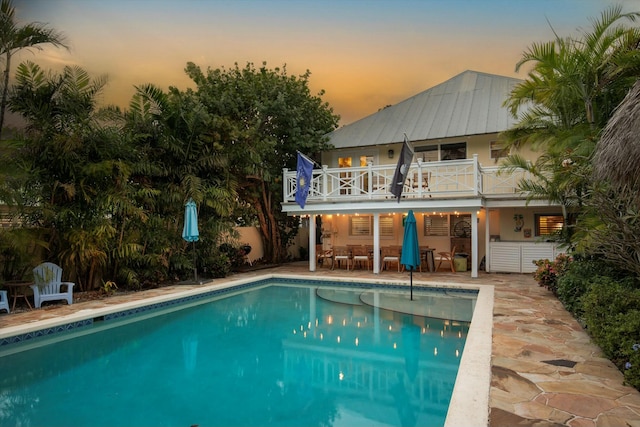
x=303, y=178
x=404, y=163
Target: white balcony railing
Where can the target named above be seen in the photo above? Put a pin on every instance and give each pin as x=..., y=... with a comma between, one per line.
x=446, y=179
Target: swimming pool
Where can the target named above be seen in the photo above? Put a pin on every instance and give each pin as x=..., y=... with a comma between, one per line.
x=346, y=358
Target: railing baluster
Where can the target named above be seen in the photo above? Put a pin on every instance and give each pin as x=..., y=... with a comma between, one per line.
x=445, y=179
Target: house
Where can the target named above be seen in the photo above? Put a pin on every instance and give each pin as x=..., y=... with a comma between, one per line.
x=454, y=185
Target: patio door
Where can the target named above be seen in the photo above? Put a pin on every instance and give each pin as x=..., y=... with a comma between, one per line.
x=354, y=182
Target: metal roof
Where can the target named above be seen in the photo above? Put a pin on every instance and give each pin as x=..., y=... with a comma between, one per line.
x=467, y=104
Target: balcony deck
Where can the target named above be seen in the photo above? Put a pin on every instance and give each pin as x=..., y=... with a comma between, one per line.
x=439, y=182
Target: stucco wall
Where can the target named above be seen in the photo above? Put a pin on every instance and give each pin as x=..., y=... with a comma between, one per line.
x=251, y=236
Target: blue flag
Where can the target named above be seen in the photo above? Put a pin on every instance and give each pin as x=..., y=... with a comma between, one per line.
x=402, y=169
x=303, y=179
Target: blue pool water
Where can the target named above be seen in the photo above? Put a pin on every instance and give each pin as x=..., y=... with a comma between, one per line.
x=280, y=355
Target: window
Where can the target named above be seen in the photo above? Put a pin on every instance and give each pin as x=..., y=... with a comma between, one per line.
x=386, y=226
x=436, y=225
x=363, y=226
x=497, y=151
x=548, y=224
x=427, y=153
x=344, y=162
x=360, y=226
x=453, y=151
x=433, y=153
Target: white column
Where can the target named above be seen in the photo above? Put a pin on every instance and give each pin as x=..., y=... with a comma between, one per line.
x=474, y=244
x=376, y=243
x=487, y=237
x=312, y=243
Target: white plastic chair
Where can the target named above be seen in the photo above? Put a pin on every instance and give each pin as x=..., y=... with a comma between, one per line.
x=48, y=284
x=4, y=301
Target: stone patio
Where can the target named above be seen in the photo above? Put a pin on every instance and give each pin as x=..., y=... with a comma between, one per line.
x=545, y=370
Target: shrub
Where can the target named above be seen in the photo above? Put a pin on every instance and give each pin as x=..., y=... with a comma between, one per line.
x=612, y=316
x=235, y=255
x=216, y=264
x=548, y=272
x=575, y=282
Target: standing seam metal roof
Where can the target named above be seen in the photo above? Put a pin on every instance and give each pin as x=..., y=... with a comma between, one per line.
x=467, y=104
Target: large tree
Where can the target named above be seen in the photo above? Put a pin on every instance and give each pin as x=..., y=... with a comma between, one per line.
x=14, y=38
x=261, y=116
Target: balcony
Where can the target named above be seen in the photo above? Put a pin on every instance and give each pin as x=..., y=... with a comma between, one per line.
x=453, y=179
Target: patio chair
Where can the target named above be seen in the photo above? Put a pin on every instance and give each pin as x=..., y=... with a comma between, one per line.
x=48, y=285
x=324, y=256
x=341, y=253
x=4, y=301
x=391, y=255
x=446, y=257
x=360, y=255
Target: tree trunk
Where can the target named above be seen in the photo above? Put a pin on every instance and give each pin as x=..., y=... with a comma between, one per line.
x=270, y=233
x=5, y=91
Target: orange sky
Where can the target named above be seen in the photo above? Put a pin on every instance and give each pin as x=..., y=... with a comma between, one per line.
x=364, y=54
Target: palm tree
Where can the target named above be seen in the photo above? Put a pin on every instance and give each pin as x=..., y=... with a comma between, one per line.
x=571, y=91
x=14, y=38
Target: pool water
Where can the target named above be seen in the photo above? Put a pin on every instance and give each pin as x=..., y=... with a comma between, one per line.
x=281, y=355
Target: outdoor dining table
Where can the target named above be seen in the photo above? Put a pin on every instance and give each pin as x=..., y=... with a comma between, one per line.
x=18, y=289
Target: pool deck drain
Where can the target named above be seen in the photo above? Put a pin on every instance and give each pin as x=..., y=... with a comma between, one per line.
x=546, y=372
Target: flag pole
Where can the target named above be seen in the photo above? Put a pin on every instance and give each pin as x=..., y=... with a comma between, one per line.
x=309, y=159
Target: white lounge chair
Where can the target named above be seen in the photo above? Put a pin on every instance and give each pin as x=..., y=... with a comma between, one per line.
x=48, y=285
x=4, y=301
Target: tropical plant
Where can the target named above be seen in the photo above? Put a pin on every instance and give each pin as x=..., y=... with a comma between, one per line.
x=14, y=38
x=548, y=272
x=572, y=89
x=72, y=168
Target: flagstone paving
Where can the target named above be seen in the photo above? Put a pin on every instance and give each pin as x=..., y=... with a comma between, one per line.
x=546, y=372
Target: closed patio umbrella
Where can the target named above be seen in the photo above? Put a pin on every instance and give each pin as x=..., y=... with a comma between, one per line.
x=190, y=230
x=410, y=257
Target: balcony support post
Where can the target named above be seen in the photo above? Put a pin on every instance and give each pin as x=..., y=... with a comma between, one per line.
x=474, y=244
x=312, y=243
x=376, y=243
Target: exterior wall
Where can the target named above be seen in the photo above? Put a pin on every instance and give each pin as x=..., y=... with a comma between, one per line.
x=506, y=224
x=251, y=237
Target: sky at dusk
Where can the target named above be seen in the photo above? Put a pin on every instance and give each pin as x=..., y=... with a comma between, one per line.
x=363, y=54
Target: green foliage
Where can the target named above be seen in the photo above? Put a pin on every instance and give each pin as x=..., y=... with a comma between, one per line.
x=20, y=251
x=261, y=116
x=573, y=86
x=109, y=287
x=235, y=254
x=216, y=264
x=576, y=281
x=548, y=272
x=612, y=317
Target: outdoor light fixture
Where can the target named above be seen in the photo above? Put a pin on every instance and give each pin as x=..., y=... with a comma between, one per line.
x=390, y=153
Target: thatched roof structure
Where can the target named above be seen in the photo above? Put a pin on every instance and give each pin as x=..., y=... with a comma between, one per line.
x=617, y=156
